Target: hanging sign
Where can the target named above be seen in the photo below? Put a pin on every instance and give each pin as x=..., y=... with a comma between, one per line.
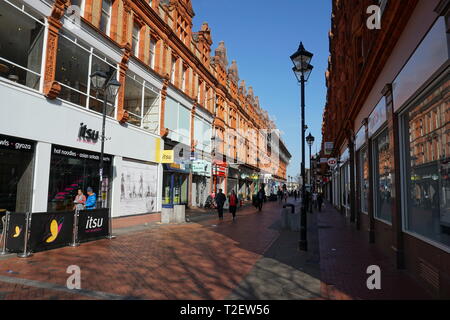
x=328, y=147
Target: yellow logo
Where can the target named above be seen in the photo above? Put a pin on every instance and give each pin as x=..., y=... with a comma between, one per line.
x=167, y=156
x=17, y=232
x=55, y=228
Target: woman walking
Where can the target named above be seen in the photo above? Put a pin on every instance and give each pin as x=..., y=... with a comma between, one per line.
x=233, y=200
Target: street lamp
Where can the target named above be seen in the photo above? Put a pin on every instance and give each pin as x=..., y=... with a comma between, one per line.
x=310, y=141
x=109, y=86
x=302, y=70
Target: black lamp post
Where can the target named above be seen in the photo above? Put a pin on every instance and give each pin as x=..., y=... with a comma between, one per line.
x=310, y=141
x=109, y=87
x=302, y=70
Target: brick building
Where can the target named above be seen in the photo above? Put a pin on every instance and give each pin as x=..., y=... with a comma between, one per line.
x=175, y=94
x=387, y=115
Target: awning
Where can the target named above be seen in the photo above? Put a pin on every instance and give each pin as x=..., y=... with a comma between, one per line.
x=175, y=167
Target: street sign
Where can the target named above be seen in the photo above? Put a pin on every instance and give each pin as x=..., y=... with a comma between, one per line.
x=332, y=162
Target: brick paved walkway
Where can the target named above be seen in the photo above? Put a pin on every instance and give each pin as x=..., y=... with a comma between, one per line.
x=345, y=254
x=252, y=258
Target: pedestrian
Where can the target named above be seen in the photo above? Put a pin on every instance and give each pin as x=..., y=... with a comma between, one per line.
x=295, y=195
x=280, y=195
x=220, y=201
x=260, y=196
x=314, y=199
x=80, y=201
x=233, y=200
x=91, y=202
x=319, y=201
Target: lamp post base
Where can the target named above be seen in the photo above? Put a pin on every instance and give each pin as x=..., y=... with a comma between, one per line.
x=24, y=255
x=303, y=245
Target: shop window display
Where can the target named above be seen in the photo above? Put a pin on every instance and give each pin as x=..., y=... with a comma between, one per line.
x=427, y=165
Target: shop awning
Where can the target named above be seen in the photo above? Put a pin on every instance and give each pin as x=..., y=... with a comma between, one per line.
x=175, y=167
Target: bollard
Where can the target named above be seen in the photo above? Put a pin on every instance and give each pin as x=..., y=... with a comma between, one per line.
x=75, y=242
x=25, y=253
x=5, y=221
x=291, y=206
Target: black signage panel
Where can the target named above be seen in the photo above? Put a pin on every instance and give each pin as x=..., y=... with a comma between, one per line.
x=93, y=224
x=51, y=230
x=16, y=232
x=13, y=143
x=79, y=154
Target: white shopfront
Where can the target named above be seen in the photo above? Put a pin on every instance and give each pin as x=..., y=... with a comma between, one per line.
x=61, y=130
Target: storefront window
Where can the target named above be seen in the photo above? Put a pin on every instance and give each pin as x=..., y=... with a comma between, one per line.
x=73, y=169
x=21, y=44
x=16, y=174
x=383, y=177
x=364, y=179
x=73, y=72
x=141, y=102
x=427, y=166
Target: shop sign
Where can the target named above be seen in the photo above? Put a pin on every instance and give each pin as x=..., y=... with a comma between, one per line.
x=360, y=138
x=329, y=146
x=87, y=135
x=79, y=154
x=167, y=156
x=202, y=167
x=11, y=143
x=323, y=160
x=255, y=176
x=378, y=117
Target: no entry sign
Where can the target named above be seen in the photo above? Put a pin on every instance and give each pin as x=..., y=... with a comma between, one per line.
x=332, y=162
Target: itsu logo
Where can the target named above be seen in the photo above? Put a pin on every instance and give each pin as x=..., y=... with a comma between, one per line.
x=88, y=135
x=94, y=224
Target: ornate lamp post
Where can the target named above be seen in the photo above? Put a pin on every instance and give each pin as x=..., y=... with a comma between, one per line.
x=109, y=86
x=302, y=70
x=310, y=141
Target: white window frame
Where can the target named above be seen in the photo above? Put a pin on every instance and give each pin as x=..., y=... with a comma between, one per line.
x=44, y=50
x=88, y=90
x=108, y=13
x=137, y=38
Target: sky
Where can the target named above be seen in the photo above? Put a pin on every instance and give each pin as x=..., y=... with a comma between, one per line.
x=261, y=35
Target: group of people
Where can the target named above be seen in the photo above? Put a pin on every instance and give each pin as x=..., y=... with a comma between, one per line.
x=316, y=200
x=220, y=200
x=82, y=202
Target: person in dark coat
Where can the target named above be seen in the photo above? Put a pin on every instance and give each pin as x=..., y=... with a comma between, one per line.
x=260, y=196
x=319, y=201
x=220, y=201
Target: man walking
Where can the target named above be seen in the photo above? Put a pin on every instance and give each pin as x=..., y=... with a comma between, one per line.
x=220, y=201
x=261, y=195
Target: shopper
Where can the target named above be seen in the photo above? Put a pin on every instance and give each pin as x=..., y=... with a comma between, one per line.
x=91, y=202
x=260, y=196
x=233, y=200
x=220, y=202
x=80, y=200
x=319, y=201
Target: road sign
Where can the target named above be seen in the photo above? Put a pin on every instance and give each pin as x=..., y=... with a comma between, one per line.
x=332, y=162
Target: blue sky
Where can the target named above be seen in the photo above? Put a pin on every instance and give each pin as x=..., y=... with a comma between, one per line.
x=261, y=35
